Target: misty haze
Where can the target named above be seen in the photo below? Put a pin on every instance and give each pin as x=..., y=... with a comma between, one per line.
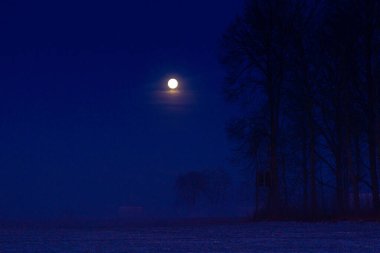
x=190, y=126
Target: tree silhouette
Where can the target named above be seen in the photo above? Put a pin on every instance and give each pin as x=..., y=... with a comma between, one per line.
x=254, y=52
x=191, y=187
x=305, y=74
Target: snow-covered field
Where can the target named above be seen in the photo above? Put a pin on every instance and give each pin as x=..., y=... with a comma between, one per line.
x=258, y=237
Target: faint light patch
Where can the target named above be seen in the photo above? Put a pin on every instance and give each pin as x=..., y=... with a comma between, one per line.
x=179, y=99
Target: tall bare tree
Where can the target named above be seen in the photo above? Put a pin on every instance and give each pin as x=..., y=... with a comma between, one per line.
x=254, y=53
x=306, y=76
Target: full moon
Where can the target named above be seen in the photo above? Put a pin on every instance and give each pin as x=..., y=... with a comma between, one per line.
x=173, y=84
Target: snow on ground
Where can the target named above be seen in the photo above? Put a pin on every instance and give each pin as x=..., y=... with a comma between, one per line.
x=257, y=237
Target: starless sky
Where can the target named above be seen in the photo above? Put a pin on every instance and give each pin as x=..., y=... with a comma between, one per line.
x=86, y=125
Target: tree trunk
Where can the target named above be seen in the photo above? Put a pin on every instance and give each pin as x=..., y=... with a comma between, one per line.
x=339, y=149
x=350, y=171
x=273, y=100
x=305, y=172
x=371, y=110
x=313, y=171
x=274, y=191
x=356, y=175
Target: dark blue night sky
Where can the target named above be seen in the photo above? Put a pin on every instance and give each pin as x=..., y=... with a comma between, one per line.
x=86, y=125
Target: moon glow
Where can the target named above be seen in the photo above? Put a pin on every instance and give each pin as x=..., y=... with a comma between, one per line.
x=173, y=84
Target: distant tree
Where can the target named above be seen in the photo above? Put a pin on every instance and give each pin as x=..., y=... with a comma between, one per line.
x=191, y=187
x=207, y=187
x=218, y=183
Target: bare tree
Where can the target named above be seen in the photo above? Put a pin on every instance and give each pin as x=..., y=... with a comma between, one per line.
x=191, y=187
x=254, y=56
x=306, y=76
x=371, y=16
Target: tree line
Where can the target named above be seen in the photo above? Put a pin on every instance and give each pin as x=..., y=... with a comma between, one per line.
x=200, y=191
x=305, y=75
